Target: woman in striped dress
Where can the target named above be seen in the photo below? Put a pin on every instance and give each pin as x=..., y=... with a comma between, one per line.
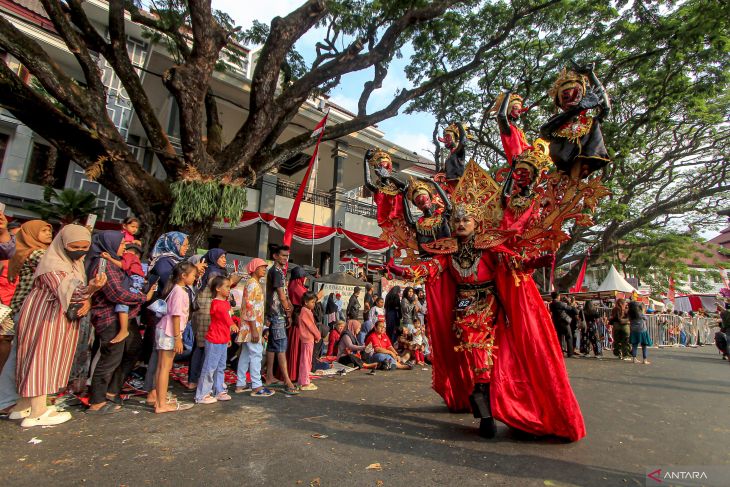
x=32, y=241
x=46, y=337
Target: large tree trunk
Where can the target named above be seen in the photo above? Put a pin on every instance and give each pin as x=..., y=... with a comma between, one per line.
x=198, y=234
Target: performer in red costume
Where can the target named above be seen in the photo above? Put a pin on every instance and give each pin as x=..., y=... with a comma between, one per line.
x=509, y=108
x=494, y=349
x=387, y=193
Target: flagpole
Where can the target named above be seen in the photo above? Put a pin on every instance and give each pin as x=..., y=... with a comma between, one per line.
x=314, y=201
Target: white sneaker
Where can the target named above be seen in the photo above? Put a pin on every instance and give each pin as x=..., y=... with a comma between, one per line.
x=46, y=419
x=22, y=414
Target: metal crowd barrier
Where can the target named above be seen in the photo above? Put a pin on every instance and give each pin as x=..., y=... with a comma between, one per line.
x=668, y=330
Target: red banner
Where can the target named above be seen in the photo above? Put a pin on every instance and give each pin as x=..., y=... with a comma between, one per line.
x=289, y=231
x=581, y=275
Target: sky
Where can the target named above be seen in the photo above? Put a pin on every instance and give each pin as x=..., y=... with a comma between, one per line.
x=413, y=132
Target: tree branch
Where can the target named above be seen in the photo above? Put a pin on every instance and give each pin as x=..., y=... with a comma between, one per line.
x=118, y=58
x=70, y=36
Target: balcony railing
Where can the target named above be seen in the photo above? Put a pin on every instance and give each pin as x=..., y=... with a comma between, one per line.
x=289, y=190
x=362, y=209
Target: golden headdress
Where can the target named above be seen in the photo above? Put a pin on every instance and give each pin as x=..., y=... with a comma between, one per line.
x=537, y=157
x=416, y=187
x=567, y=78
x=453, y=129
x=379, y=155
x=498, y=101
x=476, y=194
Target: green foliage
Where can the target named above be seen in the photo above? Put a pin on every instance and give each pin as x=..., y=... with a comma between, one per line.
x=200, y=201
x=655, y=254
x=66, y=206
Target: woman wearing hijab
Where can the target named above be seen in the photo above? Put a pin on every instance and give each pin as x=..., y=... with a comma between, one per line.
x=331, y=311
x=115, y=359
x=216, y=262
x=348, y=347
x=215, y=259
x=31, y=243
x=47, y=330
x=169, y=249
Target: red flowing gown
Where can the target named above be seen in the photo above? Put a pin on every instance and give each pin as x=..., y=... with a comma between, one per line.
x=530, y=390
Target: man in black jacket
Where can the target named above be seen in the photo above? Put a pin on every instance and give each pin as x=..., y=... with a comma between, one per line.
x=560, y=312
x=354, y=310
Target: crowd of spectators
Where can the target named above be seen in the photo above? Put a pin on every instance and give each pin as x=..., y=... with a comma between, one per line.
x=83, y=316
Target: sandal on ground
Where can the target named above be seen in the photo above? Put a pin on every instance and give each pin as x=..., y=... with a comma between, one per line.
x=48, y=418
x=208, y=399
x=116, y=400
x=19, y=414
x=263, y=392
x=223, y=396
x=240, y=389
x=292, y=391
x=180, y=406
x=108, y=408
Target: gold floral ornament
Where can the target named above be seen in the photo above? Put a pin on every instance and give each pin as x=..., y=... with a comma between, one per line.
x=566, y=79
x=477, y=194
x=559, y=199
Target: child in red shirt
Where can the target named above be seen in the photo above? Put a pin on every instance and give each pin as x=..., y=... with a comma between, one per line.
x=211, y=386
x=309, y=333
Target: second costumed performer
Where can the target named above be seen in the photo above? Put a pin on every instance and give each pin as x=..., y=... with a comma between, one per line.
x=494, y=348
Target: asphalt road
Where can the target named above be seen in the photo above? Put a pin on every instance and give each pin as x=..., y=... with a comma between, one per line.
x=673, y=411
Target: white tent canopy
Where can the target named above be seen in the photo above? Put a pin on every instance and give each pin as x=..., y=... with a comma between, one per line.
x=614, y=282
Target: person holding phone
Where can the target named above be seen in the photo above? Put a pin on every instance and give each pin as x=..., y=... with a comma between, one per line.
x=116, y=359
x=47, y=331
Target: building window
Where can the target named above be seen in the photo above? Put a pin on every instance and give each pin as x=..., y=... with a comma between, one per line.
x=47, y=167
x=4, y=138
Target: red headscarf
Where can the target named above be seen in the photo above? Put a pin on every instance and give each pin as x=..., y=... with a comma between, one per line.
x=296, y=291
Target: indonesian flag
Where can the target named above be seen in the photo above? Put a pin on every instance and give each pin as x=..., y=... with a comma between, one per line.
x=581, y=275
x=289, y=231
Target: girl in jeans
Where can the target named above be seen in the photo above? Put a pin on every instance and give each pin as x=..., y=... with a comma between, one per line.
x=217, y=340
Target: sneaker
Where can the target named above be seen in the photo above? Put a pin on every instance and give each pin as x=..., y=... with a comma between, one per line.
x=223, y=396
x=262, y=392
x=308, y=387
x=46, y=419
x=208, y=400
x=19, y=414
